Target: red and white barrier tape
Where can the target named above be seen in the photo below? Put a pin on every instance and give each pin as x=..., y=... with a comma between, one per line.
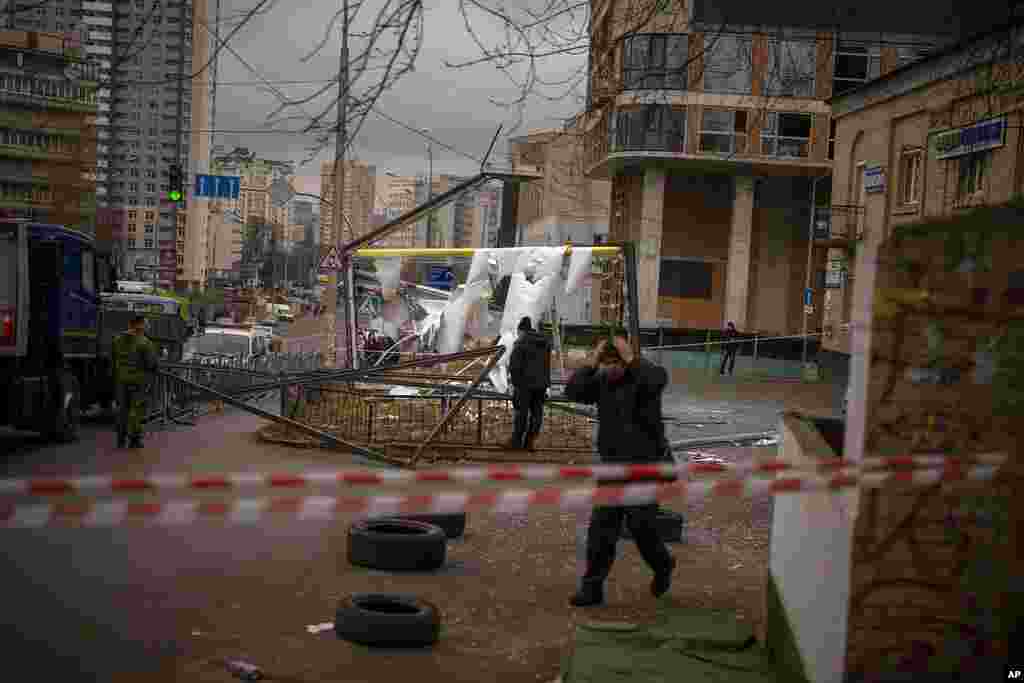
x=464, y=475
x=506, y=501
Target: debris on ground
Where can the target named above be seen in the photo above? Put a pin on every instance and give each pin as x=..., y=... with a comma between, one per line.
x=244, y=670
x=320, y=628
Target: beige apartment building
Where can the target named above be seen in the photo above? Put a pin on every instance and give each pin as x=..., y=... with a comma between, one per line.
x=565, y=206
x=357, y=205
x=223, y=241
x=393, y=196
x=933, y=140
x=712, y=138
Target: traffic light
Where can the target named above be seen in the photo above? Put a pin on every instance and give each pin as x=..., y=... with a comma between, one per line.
x=175, y=191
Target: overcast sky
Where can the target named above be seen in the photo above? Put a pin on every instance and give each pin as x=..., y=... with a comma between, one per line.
x=452, y=104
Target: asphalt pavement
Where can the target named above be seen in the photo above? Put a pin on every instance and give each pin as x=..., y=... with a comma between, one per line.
x=85, y=604
x=91, y=604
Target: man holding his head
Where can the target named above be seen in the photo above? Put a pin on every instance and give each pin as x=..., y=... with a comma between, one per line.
x=627, y=391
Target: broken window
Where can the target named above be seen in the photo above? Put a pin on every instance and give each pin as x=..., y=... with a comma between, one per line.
x=723, y=131
x=727, y=64
x=786, y=134
x=855, y=63
x=655, y=62
x=656, y=127
x=791, y=68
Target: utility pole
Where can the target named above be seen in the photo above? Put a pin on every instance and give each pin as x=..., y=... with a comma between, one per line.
x=810, y=260
x=330, y=344
x=430, y=194
x=185, y=21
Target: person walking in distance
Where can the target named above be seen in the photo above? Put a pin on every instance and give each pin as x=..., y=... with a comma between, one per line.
x=627, y=391
x=135, y=358
x=529, y=370
x=730, y=347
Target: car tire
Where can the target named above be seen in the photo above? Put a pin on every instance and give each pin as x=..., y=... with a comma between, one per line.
x=388, y=620
x=68, y=409
x=671, y=527
x=453, y=525
x=395, y=544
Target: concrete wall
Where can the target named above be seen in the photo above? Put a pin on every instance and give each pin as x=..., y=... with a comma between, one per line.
x=809, y=559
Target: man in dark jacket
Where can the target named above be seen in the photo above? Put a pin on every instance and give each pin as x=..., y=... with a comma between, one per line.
x=529, y=370
x=729, y=348
x=627, y=391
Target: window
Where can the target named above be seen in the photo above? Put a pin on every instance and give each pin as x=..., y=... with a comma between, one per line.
x=150, y=215
x=723, y=131
x=148, y=244
x=727, y=64
x=150, y=187
x=685, y=279
x=654, y=127
x=791, y=68
x=655, y=62
x=786, y=134
x=974, y=173
x=131, y=243
x=854, y=64
x=133, y=187
x=907, y=54
x=149, y=228
x=911, y=170
x=132, y=215
x=131, y=227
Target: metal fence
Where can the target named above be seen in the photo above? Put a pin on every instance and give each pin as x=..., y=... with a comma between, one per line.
x=372, y=416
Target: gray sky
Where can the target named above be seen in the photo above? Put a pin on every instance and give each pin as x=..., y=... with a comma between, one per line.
x=452, y=104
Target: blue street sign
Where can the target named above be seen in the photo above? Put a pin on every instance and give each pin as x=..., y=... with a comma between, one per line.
x=440, y=277
x=808, y=297
x=218, y=186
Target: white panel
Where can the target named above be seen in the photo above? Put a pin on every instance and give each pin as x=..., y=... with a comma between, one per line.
x=98, y=50
x=99, y=35
x=98, y=21
x=97, y=7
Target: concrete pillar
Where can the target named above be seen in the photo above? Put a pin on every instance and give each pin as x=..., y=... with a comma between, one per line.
x=737, y=281
x=648, y=243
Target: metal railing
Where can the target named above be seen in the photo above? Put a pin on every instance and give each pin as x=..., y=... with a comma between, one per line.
x=757, y=355
x=374, y=417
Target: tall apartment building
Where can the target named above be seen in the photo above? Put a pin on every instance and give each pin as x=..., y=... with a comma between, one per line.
x=565, y=206
x=146, y=51
x=712, y=136
x=394, y=196
x=357, y=204
x=47, y=131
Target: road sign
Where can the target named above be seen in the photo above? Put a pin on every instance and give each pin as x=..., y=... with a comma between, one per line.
x=218, y=186
x=330, y=262
x=808, y=296
x=441, y=277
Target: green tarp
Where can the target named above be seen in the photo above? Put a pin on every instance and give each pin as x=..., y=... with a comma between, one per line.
x=682, y=645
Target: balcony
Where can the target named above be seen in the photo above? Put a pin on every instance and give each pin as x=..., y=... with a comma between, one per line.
x=839, y=225
x=46, y=93
x=35, y=145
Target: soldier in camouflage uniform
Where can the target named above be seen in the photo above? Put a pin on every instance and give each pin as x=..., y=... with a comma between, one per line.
x=134, y=358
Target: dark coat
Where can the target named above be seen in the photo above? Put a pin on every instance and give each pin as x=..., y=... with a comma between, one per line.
x=529, y=368
x=630, y=426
